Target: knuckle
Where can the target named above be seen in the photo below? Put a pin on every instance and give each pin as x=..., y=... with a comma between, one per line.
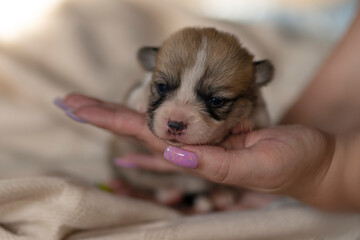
x=222, y=172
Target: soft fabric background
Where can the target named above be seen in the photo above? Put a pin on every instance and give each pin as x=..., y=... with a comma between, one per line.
x=47, y=208
x=89, y=46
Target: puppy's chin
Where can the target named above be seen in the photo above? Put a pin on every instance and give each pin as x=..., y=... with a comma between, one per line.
x=241, y=127
x=182, y=140
x=177, y=143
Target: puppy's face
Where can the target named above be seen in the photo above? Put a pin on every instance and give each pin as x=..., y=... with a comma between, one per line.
x=203, y=84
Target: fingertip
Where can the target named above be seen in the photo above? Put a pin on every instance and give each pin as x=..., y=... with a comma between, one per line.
x=181, y=157
x=193, y=157
x=70, y=113
x=71, y=99
x=124, y=163
x=73, y=94
x=59, y=102
x=77, y=100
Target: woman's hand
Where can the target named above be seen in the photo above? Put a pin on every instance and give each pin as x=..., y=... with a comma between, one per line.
x=289, y=160
x=122, y=121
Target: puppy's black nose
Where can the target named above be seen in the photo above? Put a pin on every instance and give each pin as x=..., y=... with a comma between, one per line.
x=176, y=126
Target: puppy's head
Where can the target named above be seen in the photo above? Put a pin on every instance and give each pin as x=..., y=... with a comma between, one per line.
x=203, y=84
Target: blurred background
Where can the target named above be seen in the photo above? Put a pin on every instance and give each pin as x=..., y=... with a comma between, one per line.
x=49, y=48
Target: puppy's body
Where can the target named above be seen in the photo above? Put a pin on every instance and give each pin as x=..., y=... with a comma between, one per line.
x=201, y=85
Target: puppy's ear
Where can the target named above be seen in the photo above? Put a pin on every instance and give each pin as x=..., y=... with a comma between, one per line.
x=147, y=57
x=264, y=72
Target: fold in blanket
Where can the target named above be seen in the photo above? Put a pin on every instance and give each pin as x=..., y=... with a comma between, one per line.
x=51, y=208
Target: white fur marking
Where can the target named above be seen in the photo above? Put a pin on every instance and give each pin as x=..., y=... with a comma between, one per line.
x=192, y=75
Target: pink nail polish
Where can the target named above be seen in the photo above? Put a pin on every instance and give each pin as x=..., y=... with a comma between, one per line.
x=180, y=157
x=70, y=113
x=60, y=103
x=124, y=163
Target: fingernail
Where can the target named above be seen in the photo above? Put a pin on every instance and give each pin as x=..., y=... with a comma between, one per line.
x=70, y=113
x=180, y=157
x=60, y=103
x=120, y=162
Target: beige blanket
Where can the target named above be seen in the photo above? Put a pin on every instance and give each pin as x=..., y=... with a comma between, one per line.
x=89, y=46
x=52, y=208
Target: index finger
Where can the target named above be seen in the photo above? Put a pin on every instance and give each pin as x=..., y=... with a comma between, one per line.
x=114, y=117
x=122, y=121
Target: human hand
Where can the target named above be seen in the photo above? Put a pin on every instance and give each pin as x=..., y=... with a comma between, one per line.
x=119, y=120
x=289, y=160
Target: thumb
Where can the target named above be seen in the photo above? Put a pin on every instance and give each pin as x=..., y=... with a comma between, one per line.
x=215, y=163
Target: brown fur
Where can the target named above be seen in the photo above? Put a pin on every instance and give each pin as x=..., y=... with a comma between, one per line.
x=228, y=72
x=228, y=63
x=198, y=64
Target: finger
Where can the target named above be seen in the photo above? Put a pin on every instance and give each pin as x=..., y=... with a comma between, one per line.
x=242, y=168
x=75, y=101
x=120, y=120
x=219, y=164
x=144, y=161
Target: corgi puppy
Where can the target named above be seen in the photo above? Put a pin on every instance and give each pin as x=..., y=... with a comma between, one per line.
x=201, y=85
